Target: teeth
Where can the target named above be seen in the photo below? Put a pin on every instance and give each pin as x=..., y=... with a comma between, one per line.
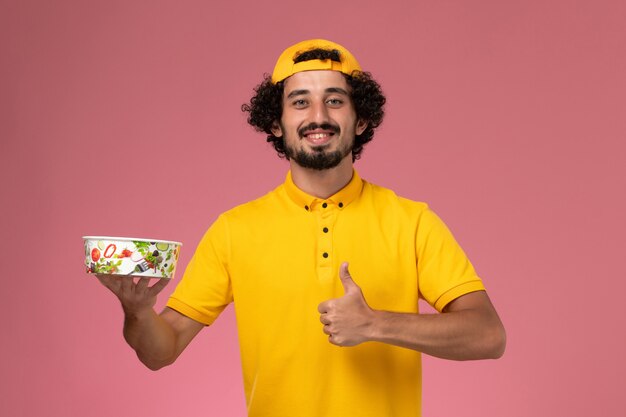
x=318, y=135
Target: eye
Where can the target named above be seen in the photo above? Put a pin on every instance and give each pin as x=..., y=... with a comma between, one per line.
x=299, y=103
x=334, y=101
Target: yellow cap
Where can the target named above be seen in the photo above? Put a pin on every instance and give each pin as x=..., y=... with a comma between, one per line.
x=285, y=67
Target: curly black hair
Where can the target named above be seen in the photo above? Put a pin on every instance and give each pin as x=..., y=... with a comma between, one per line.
x=266, y=106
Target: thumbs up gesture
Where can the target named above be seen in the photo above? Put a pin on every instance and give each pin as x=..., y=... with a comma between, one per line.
x=347, y=320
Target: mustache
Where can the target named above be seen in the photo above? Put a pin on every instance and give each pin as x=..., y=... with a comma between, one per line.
x=323, y=126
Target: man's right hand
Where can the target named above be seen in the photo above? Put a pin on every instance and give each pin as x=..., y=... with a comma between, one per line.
x=157, y=339
x=136, y=297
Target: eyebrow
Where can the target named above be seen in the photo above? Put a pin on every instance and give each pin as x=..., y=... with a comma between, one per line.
x=338, y=90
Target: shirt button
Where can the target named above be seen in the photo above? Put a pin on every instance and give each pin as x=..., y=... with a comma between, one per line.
x=324, y=205
x=325, y=255
x=340, y=205
x=325, y=230
x=306, y=208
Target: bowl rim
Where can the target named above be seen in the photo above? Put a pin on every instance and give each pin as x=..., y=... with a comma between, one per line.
x=130, y=239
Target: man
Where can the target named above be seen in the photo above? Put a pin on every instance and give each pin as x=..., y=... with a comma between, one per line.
x=319, y=336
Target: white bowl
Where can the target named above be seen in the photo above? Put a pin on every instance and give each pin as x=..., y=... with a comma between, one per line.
x=131, y=256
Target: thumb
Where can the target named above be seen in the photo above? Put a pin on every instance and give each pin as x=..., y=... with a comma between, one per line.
x=346, y=279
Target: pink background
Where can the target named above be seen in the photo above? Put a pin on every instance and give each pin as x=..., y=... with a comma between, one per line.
x=122, y=118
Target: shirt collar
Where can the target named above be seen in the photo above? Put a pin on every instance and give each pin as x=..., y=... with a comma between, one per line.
x=341, y=198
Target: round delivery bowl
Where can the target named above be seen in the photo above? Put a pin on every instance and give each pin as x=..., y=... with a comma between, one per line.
x=131, y=256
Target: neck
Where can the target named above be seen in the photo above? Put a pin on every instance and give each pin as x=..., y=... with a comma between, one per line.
x=324, y=183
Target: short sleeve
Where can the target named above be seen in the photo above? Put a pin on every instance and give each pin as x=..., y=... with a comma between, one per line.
x=205, y=289
x=444, y=271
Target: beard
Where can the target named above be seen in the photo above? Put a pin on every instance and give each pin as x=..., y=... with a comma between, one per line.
x=318, y=158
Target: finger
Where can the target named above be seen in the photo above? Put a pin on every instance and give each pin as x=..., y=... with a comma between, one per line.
x=106, y=280
x=323, y=307
x=142, y=284
x=324, y=319
x=326, y=330
x=158, y=286
x=112, y=282
x=346, y=279
x=126, y=284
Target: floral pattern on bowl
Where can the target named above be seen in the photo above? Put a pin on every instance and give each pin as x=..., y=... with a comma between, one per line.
x=131, y=256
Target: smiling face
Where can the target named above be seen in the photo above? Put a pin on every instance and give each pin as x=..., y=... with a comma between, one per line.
x=318, y=124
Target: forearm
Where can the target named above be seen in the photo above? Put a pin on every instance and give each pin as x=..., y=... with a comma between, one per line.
x=152, y=338
x=457, y=335
x=469, y=327
x=157, y=339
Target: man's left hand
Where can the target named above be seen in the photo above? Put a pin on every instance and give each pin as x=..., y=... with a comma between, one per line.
x=347, y=320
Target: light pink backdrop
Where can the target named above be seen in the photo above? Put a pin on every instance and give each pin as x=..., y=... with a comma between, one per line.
x=122, y=118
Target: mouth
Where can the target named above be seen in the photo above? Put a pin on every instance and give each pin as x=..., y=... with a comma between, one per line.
x=318, y=138
x=318, y=134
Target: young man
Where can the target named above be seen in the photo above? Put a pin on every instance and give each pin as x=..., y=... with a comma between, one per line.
x=319, y=337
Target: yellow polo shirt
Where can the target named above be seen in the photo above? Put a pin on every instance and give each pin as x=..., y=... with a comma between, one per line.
x=278, y=257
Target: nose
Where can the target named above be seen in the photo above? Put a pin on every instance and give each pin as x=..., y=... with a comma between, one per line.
x=319, y=112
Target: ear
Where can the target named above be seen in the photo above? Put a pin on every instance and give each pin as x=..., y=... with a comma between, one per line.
x=276, y=130
x=361, y=125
